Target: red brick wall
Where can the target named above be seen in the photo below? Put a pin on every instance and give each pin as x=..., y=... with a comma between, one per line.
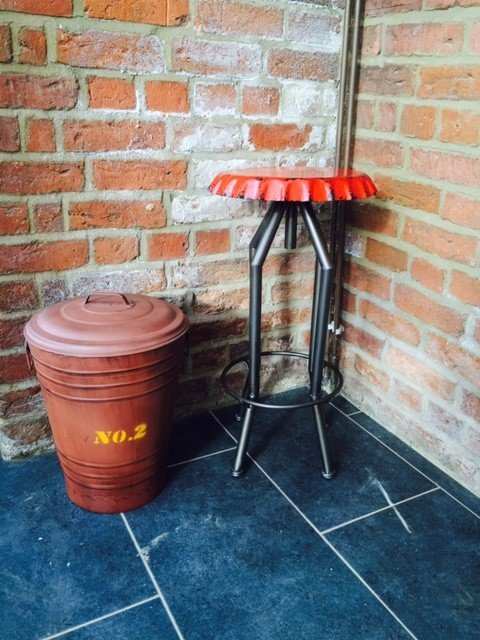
x=111, y=128
x=412, y=346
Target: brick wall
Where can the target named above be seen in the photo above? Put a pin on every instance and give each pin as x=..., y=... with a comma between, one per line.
x=114, y=117
x=412, y=344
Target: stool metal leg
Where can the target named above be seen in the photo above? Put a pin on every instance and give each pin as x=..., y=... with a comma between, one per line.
x=259, y=248
x=320, y=312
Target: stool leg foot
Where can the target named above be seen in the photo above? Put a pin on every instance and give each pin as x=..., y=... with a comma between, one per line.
x=238, y=465
x=328, y=471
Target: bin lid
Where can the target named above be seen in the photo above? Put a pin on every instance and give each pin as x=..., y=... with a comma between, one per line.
x=106, y=324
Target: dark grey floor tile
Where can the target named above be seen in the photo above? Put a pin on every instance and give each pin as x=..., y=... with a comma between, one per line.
x=421, y=463
x=368, y=475
x=428, y=573
x=344, y=405
x=196, y=436
x=145, y=622
x=60, y=566
x=236, y=561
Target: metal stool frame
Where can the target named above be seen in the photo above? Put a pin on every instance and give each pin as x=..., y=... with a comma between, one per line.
x=259, y=247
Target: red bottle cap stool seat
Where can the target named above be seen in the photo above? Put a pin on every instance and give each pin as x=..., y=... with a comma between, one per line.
x=291, y=191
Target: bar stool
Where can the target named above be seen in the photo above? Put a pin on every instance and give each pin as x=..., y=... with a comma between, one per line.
x=290, y=191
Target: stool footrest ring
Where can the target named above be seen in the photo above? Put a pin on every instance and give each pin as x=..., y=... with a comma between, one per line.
x=265, y=405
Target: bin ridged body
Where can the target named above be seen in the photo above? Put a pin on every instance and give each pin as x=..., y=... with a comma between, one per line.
x=111, y=420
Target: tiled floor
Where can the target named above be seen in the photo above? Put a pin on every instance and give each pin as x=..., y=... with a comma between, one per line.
x=387, y=550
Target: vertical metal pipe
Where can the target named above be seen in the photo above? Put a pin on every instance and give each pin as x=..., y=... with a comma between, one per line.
x=343, y=154
x=343, y=81
x=352, y=82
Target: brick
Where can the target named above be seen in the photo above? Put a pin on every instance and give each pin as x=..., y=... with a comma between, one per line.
x=18, y=295
x=5, y=43
x=111, y=93
x=387, y=80
x=386, y=255
x=428, y=274
x=465, y=288
x=209, y=359
x=40, y=177
x=160, y=12
x=418, y=122
x=164, y=246
x=21, y=402
x=101, y=135
x=188, y=209
x=217, y=58
x=475, y=48
x=471, y=405
x=37, y=92
x=349, y=302
x=14, y=368
x=206, y=137
x=292, y=290
x=387, y=116
x=447, y=4
x=367, y=280
x=419, y=373
x=442, y=420
x=365, y=114
x=132, y=280
x=117, y=214
x=139, y=174
x=9, y=134
x=425, y=308
x=371, y=40
x=452, y=83
x=290, y=63
x=189, y=275
x=277, y=137
x=241, y=19
x=372, y=373
x=381, y=153
x=453, y=168
x=115, y=250
x=48, y=217
x=404, y=394
x=382, y=7
x=363, y=339
x=443, y=243
x=220, y=300
x=57, y=8
x=40, y=136
x=33, y=47
x=260, y=101
x=166, y=96
x=390, y=323
x=461, y=210
x=373, y=218
x=43, y=256
x=11, y=333
x=212, y=241
x=427, y=39
x=409, y=194
x=460, y=127
x=315, y=28
x=215, y=99
x=13, y=218
x=454, y=358
x=106, y=50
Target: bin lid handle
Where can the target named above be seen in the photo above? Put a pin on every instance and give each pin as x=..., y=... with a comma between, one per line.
x=108, y=293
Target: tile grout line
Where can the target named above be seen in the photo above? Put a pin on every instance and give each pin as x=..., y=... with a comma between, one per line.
x=406, y=461
x=324, y=539
x=372, y=513
x=152, y=578
x=100, y=618
x=207, y=455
